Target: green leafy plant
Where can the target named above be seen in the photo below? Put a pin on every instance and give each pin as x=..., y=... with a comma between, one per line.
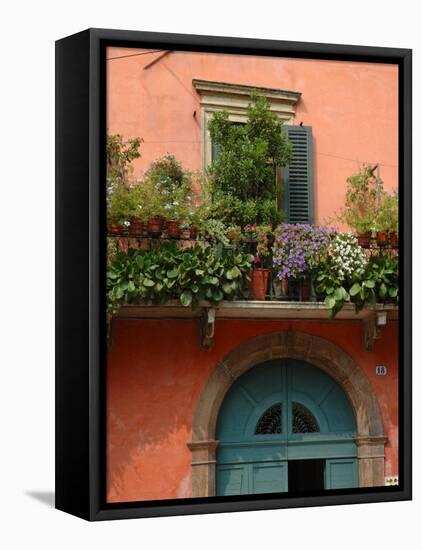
x=215, y=231
x=118, y=205
x=361, y=202
x=387, y=214
x=248, y=153
x=120, y=155
x=234, y=211
x=191, y=274
x=379, y=283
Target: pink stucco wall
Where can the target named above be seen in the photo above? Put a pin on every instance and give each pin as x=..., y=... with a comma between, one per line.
x=352, y=108
x=156, y=372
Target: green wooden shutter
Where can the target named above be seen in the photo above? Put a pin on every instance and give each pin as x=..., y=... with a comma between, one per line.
x=298, y=196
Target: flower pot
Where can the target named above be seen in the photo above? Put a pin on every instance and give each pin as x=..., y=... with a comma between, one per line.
x=155, y=226
x=173, y=229
x=394, y=240
x=259, y=283
x=364, y=239
x=115, y=229
x=382, y=237
x=136, y=227
x=193, y=232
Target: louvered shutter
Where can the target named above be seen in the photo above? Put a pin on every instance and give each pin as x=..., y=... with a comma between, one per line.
x=298, y=199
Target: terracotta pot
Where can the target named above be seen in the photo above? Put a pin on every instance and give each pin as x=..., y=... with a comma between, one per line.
x=382, y=237
x=136, y=227
x=155, y=226
x=394, y=240
x=259, y=283
x=173, y=229
x=193, y=232
x=115, y=229
x=364, y=239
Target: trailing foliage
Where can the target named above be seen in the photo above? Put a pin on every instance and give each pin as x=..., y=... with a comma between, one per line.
x=346, y=275
x=191, y=275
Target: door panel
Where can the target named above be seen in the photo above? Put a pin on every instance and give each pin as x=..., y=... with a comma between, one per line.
x=341, y=473
x=232, y=480
x=269, y=477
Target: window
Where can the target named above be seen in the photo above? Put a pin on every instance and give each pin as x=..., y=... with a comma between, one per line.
x=303, y=420
x=270, y=421
x=297, y=177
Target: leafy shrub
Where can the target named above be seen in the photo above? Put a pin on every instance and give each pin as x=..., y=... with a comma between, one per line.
x=248, y=153
x=190, y=274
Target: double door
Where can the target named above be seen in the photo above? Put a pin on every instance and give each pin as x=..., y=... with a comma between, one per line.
x=285, y=426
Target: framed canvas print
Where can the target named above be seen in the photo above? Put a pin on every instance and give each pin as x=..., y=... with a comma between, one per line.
x=233, y=274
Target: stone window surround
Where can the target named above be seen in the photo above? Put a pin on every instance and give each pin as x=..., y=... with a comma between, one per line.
x=370, y=438
x=235, y=98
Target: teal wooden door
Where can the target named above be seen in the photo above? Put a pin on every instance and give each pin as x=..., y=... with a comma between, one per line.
x=280, y=411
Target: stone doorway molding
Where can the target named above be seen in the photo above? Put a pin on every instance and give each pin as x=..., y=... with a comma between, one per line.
x=291, y=344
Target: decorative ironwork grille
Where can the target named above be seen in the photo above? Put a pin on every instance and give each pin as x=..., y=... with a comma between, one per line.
x=303, y=420
x=270, y=421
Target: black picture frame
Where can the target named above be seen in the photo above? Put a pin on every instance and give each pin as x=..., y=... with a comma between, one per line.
x=80, y=273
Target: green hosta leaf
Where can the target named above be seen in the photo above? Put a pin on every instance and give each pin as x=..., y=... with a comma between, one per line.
x=227, y=288
x=172, y=274
x=217, y=295
x=148, y=282
x=186, y=298
x=368, y=283
x=330, y=302
x=131, y=286
x=393, y=292
x=338, y=294
x=355, y=289
x=195, y=288
x=119, y=293
x=383, y=290
x=159, y=286
x=199, y=272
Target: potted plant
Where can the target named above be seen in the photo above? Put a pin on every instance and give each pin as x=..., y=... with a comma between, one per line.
x=117, y=209
x=360, y=209
x=262, y=262
x=387, y=219
x=234, y=233
x=136, y=209
x=297, y=251
x=153, y=210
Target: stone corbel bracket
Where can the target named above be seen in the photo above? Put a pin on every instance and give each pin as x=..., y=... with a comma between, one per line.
x=207, y=328
x=371, y=328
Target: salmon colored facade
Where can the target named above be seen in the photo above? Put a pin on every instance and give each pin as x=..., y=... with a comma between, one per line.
x=156, y=369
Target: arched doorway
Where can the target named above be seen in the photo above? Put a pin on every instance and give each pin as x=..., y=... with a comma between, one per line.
x=285, y=425
x=327, y=356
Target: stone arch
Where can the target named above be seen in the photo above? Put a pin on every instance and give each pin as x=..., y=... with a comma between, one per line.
x=315, y=350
